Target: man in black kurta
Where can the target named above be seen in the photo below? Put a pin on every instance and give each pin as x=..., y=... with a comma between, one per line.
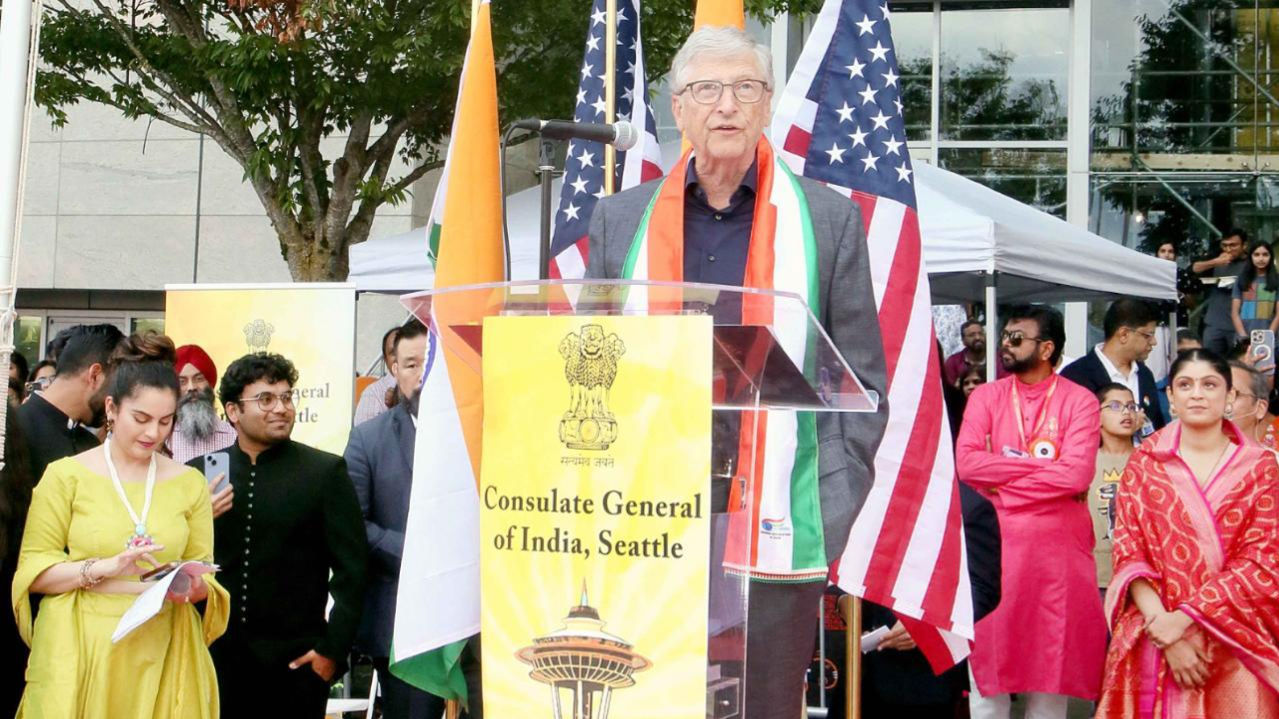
x=294, y=520
x=53, y=421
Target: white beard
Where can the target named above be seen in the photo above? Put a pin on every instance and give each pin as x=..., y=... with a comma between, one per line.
x=196, y=416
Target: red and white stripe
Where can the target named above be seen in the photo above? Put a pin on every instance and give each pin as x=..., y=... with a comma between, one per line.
x=642, y=163
x=906, y=549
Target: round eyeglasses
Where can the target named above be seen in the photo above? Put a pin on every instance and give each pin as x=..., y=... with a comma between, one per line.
x=708, y=92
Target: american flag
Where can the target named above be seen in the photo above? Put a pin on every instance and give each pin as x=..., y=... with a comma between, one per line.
x=840, y=121
x=584, y=165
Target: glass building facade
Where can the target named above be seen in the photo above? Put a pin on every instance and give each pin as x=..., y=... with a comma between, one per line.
x=1146, y=121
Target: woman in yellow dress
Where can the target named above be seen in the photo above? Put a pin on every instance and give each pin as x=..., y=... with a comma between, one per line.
x=97, y=522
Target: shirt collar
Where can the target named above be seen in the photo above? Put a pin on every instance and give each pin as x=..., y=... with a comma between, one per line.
x=1111, y=369
x=749, y=181
x=268, y=455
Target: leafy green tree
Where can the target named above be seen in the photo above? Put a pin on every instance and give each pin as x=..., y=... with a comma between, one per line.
x=269, y=80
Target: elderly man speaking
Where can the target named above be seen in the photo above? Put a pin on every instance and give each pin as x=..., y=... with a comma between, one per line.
x=728, y=209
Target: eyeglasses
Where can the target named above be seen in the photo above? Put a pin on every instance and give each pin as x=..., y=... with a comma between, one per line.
x=1115, y=405
x=708, y=92
x=267, y=401
x=1014, y=339
x=38, y=385
x=1150, y=336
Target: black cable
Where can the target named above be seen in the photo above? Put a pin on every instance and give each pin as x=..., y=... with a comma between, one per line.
x=506, y=235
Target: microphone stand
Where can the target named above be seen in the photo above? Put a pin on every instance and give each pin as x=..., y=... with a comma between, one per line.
x=546, y=173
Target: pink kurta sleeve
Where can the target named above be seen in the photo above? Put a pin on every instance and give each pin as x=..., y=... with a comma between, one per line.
x=1072, y=472
x=975, y=461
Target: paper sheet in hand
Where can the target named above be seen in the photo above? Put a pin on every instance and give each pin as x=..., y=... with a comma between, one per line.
x=871, y=639
x=147, y=605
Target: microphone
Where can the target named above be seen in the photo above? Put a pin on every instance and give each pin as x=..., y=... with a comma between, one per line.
x=621, y=135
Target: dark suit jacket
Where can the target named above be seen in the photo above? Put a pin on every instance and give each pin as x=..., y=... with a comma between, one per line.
x=847, y=441
x=1089, y=373
x=379, y=458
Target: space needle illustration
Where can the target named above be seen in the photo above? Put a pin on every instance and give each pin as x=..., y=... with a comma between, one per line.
x=584, y=660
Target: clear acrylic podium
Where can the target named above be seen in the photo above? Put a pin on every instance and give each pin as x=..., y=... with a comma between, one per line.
x=769, y=354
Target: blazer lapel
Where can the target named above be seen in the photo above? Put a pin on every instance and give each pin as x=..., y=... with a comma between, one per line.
x=405, y=433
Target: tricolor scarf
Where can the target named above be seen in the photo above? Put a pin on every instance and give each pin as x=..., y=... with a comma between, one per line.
x=786, y=543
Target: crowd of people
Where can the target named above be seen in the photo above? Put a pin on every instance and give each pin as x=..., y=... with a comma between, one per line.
x=120, y=470
x=1138, y=541
x=1122, y=541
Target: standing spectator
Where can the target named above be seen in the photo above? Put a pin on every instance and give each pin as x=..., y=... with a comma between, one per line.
x=379, y=458
x=294, y=538
x=1130, y=335
x=1187, y=288
x=18, y=368
x=377, y=397
x=41, y=376
x=1249, y=411
x=1029, y=444
x=198, y=429
x=1252, y=304
x=972, y=355
x=897, y=680
x=54, y=420
x=1119, y=413
x=1224, y=269
x=99, y=520
x=16, y=483
x=1193, y=602
x=973, y=378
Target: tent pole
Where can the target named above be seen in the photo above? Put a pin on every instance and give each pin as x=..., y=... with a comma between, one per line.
x=992, y=330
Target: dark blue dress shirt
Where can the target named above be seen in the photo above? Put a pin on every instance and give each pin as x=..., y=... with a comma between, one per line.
x=716, y=240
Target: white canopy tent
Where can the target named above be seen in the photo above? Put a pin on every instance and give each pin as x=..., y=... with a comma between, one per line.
x=979, y=246
x=975, y=238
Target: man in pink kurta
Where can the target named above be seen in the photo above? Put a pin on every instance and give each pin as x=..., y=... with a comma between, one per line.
x=1028, y=442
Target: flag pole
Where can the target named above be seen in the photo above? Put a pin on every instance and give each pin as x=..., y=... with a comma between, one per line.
x=610, y=92
x=852, y=610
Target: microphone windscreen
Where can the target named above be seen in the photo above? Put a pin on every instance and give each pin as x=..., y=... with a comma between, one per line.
x=625, y=136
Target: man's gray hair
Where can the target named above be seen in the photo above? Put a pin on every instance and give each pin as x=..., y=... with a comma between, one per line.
x=719, y=42
x=1256, y=381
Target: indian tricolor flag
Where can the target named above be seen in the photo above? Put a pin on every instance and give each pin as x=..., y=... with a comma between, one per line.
x=720, y=13
x=438, y=606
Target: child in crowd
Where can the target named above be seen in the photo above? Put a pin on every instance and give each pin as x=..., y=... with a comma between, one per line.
x=1119, y=423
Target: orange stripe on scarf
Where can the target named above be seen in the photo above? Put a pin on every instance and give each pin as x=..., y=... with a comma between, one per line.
x=666, y=263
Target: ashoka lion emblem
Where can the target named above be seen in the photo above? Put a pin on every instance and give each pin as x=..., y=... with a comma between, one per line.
x=590, y=366
x=257, y=335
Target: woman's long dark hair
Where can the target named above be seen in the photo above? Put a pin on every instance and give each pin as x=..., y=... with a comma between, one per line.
x=1249, y=274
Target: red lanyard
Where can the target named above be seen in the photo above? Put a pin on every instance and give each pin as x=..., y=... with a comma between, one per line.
x=1039, y=420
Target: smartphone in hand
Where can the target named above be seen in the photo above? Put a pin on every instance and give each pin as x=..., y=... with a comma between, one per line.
x=1261, y=350
x=217, y=463
x=157, y=573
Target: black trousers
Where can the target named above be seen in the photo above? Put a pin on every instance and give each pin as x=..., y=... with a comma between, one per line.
x=401, y=700
x=781, y=634
x=249, y=687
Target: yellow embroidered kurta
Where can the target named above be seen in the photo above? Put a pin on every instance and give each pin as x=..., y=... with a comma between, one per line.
x=163, y=668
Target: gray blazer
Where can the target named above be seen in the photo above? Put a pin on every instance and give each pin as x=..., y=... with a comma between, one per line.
x=846, y=441
x=379, y=458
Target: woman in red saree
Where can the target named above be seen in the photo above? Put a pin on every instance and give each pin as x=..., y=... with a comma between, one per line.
x=1194, y=603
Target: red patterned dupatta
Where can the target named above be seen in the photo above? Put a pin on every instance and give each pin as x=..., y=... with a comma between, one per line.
x=1212, y=552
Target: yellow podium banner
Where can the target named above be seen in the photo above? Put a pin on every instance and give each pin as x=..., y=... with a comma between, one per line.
x=595, y=516
x=313, y=326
